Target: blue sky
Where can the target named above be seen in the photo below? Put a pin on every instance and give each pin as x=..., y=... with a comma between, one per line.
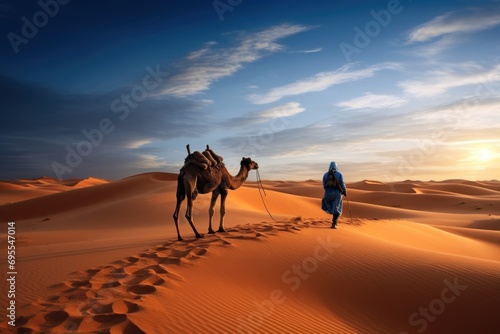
x=391, y=90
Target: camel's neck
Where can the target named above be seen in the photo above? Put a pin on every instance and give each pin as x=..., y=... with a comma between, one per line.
x=234, y=182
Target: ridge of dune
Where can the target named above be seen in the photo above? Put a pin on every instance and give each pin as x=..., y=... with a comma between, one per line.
x=468, y=188
x=490, y=236
x=4, y=185
x=80, y=197
x=24, y=189
x=295, y=275
x=159, y=176
x=88, y=182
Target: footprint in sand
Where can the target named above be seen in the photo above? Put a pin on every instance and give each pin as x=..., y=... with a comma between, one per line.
x=158, y=269
x=149, y=255
x=127, y=327
x=115, y=321
x=195, y=253
x=124, y=307
x=97, y=324
x=55, y=318
x=132, y=259
x=110, y=319
x=144, y=276
x=80, y=284
x=93, y=271
x=99, y=299
x=97, y=285
x=118, y=273
x=141, y=289
x=100, y=309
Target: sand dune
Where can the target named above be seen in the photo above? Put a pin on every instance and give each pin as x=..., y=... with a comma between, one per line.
x=20, y=190
x=102, y=257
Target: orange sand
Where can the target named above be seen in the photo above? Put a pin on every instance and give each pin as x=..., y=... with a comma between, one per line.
x=94, y=256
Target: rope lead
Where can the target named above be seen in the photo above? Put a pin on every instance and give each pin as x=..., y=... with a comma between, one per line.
x=259, y=186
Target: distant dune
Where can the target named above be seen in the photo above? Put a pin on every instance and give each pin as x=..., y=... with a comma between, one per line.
x=94, y=256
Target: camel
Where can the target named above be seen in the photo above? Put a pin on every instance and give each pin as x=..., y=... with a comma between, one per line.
x=216, y=179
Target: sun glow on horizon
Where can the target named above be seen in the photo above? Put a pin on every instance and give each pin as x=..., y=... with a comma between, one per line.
x=485, y=155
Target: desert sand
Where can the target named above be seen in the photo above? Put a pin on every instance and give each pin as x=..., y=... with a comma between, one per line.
x=94, y=256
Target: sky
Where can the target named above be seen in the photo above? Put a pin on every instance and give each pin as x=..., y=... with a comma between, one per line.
x=390, y=90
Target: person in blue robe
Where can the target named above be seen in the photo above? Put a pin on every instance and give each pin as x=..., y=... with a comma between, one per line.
x=333, y=183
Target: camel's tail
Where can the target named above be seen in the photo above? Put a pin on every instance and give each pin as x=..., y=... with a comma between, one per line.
x=181, y=190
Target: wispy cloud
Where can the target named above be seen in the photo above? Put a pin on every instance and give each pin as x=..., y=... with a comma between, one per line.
x=310, y=51
x=149, y=161
x=285, y=110
x=431, y=39
x=138, y=143
x=479, y=114
x=320, y=82
x=470, y=20
x=373, y=101
x=431, y=52
x=203, y=67
x=262, y=116
x=438, y=82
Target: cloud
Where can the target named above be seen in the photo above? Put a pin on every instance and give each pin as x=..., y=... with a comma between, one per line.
x=320, y=82
x=439, y=82
x=432, y=38
x=285, y=110
x=432, y=51
x=138, y=143
x=262, y=116
x=149, y=161
x=199, y=53
x=37, y=125
x=413, y=144
x=201, y=68
x=310, y=51
x=471, y=20
x=313, y=140
x=373, y=101
x=284, y=142
x=479, y=112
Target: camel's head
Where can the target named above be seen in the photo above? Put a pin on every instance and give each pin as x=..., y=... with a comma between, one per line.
x=249, y=163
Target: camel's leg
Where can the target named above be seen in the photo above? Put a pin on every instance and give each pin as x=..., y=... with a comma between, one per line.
x=211, y=210
x=180, y=199
x=223, y=195
x=189, y=215
x=181, y=195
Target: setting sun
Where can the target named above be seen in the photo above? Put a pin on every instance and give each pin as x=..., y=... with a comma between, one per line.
x=485, y=155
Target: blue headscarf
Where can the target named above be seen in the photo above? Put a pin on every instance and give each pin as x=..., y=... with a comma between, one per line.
x=333, y=165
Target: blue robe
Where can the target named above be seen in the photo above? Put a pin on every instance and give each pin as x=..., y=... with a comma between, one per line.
x=332, y=200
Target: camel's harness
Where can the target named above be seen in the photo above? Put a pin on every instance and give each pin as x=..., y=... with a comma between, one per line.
x=261, y=186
